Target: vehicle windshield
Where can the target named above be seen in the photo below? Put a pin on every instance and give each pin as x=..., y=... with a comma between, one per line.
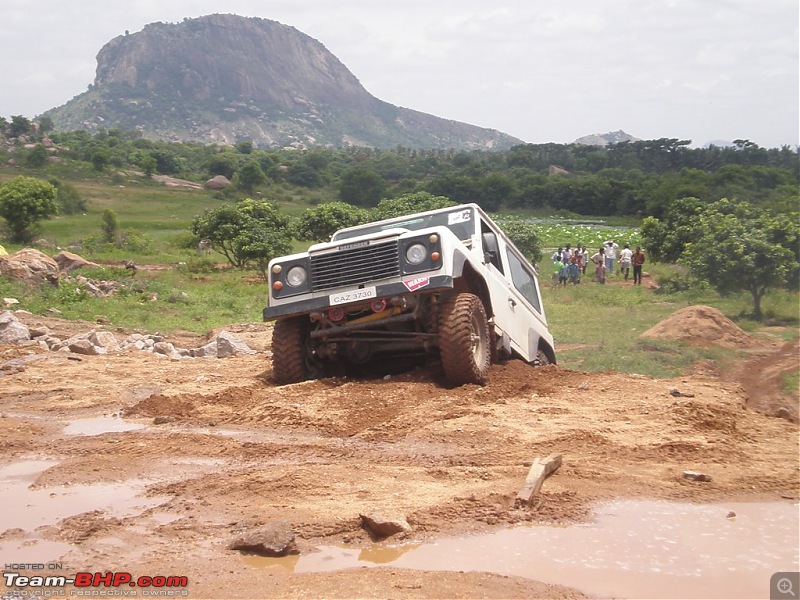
x=460, y=220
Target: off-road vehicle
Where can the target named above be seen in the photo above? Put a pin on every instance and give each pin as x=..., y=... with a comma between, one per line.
x=446, y=283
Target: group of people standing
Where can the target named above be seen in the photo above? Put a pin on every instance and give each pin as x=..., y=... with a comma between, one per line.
x=570, y=264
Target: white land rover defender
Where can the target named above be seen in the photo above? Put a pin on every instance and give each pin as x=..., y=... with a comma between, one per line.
x=446, y=282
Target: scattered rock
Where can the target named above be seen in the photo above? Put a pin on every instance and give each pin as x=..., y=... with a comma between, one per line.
x=81, y=346
x=696, y=476
x=274, y=539
x=207, y=351
x=12, y=330
x=783, y=413
x=730, y=515
x=167, y=349
x=228, y=345
x=10, y=301
x=67, y=261
x=679, y=394
x=104, y=341
x=383, y=525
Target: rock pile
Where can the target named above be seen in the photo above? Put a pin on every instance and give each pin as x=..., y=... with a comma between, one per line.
x=13, y=331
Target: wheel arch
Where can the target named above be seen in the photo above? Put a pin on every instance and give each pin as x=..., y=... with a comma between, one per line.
x=467, y=279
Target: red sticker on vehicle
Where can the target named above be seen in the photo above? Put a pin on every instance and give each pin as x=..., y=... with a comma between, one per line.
x=415, y=284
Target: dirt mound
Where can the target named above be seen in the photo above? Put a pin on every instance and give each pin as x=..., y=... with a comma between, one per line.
x=701, y=325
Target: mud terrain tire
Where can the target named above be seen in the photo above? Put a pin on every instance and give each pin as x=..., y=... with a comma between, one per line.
x=541, y=359
x=289, y=360
x=464, y=340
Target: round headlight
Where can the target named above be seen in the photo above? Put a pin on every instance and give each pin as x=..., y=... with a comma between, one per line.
x=416, y=253
x=296, y=276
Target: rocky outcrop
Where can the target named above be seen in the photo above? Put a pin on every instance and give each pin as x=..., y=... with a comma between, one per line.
x=30, y=265
x=224, y=78
x=68, y=261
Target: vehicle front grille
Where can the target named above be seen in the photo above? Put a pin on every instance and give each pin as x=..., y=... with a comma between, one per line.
x=354, y=266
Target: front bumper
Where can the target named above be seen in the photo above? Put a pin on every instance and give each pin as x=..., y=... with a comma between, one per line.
x=301, y=307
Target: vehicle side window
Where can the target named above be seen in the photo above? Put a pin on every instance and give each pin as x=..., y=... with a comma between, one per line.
x=524, y=280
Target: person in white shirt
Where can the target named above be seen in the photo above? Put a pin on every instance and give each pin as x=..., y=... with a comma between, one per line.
x=625, y=256
x=610, y=248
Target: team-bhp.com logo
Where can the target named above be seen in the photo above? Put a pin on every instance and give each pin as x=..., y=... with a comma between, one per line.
x=93, y=584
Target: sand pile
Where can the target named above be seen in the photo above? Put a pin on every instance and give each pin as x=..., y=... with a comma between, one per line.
x=701, y=325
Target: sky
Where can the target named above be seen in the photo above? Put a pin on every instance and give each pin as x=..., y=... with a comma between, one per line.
x=700, y=70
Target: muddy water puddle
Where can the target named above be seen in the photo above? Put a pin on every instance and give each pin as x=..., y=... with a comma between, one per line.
x=633, y=548
x=25, y=508
x=100, y=425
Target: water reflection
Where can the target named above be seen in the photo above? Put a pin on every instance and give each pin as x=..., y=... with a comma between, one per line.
x=633, y=548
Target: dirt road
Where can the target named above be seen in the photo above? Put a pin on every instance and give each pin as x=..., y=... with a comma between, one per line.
x=211, y=448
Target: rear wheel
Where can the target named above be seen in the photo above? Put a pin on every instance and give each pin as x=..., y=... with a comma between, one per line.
x=290, y=359
x=464, y=340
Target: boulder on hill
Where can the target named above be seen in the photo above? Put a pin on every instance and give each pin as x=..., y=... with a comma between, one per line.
x=220, y=182
x=29, y=264
x=67, y=261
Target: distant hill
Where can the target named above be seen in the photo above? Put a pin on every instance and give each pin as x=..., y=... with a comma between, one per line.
x=603, y=139
x=226, y=78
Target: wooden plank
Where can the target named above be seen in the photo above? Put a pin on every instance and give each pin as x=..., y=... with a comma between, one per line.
x=539, y=471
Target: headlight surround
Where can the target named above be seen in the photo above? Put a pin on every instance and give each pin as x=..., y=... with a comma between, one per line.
x=296, y=276
x=416, y=253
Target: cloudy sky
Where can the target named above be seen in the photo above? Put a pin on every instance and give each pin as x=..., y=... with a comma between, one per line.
x=541, y=71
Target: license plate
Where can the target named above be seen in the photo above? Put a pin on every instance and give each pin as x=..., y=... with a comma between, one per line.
x=352, y=296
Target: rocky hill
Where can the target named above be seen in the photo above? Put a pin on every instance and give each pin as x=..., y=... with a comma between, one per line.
x=225, y=78
x=603, y=139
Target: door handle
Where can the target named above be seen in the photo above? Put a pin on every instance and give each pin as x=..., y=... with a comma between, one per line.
x=512, y=302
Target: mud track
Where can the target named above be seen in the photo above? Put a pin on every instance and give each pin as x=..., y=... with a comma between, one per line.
x=220, y=449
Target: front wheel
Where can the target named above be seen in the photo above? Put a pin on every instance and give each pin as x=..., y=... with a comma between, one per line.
x=290, y=360
x=464, y=340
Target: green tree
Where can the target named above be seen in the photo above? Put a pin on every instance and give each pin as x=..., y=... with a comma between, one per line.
x=251, y=176
x=495, y=189
x=244, y=147
x=19, y=125
x=247, y=232
x=320, y=223
x=45, y=124
x=148, y=165
x=24, y=202
x=523, y=234
x=408, y=204
x=739, y=250
x=361, y=186
x=666, y=240
x=100, y=159
x=167, y=163
x=224, y=163
x=109, y=226
x=37, y=156
x=68, y=199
